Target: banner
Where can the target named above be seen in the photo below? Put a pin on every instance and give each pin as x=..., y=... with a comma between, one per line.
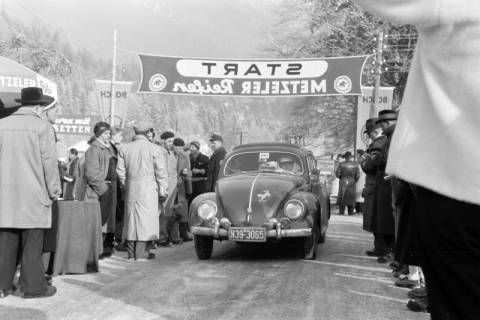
x=363, y=111
x=103, y=94
x=14, y=77
x=221, y=77
x=75, y=125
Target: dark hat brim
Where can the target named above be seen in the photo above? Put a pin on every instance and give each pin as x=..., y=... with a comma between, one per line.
x=386, y=118
x=45, y=100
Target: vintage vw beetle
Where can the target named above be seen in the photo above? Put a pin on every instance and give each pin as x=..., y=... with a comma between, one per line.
x=265, y=191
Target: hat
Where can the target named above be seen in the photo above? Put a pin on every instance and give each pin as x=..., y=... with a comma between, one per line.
x=386, y=115
x=196, y=144
x=178, y=142
x=347, y=154
x=100, y=128
x=167, y=135
x=142, y=127
x=370, y=125
x=33, y=96
x=216, y=137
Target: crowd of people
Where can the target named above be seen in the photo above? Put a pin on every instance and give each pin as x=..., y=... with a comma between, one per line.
x=143, y=188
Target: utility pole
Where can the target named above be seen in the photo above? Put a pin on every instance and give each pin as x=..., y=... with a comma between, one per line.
x=378, y=74
x=112, y=84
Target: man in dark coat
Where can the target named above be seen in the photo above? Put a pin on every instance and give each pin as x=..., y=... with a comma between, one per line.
x=199, y=165
x=214, y=163
x=73, y=175
x=348, y=173
x=368, y=166
x=383, y=209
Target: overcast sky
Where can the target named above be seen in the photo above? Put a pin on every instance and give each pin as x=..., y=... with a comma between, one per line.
x=196, y=28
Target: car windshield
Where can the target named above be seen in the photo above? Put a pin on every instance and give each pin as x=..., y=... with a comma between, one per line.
x=268, y=161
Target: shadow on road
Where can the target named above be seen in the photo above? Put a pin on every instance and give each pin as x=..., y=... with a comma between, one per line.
x=15, y=313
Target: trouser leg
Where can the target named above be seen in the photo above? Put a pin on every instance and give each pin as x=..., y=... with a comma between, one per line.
x=379, y=243
x=350, y=210
x=163, y=237
x=9, y=243
x=342, y=209
x=141, y=249
x=173, y=229
x=131, y=249
x=32, y=278
x=449, y=241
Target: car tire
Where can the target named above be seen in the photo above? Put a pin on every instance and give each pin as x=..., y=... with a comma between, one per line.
x=309, y=248
x=203, y=247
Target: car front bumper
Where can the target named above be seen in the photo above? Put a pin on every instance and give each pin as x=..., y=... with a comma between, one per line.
x=278, y=233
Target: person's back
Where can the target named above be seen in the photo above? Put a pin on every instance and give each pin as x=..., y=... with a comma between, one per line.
x=138, y=156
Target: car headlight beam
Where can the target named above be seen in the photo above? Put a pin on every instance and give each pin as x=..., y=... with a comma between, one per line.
x=294, y=209
x=207, y=210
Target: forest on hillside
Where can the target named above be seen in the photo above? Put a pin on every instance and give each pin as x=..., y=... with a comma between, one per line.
x=305, y=29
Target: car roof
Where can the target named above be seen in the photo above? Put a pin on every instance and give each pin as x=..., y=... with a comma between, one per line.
x=280, y=146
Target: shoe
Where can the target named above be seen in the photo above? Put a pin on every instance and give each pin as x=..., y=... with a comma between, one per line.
x=187, y=237
x=374, y=253
x=151, y=256
x=386, y=258
x=49, y=279
x=50, y=291
x=417, y=293
x=400, y=272
x=395, y=265
x=164, y=244
x=178, y=242
x=418, y=305
x=406, y=283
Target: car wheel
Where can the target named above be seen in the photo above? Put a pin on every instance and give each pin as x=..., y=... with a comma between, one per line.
x=309, y=248
x=203, y=247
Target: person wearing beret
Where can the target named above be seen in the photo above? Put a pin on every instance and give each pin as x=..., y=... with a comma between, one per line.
x=199, y=165
x=29, y=183
x=143, y=178
x=367, y=164
x=214, y=163
x=184, y=189
x=348, y=173
x=101, y=179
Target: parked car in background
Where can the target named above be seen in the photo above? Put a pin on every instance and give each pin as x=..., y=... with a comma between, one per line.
x=265, y=191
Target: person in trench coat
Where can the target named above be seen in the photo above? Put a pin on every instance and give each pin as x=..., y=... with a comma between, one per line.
x=143, y=177
x=184, y=188
x=29, y=181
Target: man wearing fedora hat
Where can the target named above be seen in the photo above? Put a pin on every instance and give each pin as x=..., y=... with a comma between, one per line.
x=143, y=175
x=348, y=173
x=214, y=163
x=367, y=164
x=29, y=182
x=382, y=210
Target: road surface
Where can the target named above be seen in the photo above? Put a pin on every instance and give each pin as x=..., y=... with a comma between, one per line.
x=239, y=282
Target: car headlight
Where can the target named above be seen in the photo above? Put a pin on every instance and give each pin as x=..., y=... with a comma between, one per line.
x=207, y=210
x=293, y=209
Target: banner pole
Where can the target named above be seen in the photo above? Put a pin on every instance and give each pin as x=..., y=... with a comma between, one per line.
x=378, y=75
x=112, y=85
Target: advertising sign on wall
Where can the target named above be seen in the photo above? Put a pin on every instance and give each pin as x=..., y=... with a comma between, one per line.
x=221, y=77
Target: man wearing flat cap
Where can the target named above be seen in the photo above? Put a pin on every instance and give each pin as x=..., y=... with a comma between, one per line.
x=28, y=184
x=215, y=161
x=367, y=164
x=199, y=165
x=143, y=176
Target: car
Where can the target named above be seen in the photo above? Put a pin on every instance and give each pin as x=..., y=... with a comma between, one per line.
x=264, y=192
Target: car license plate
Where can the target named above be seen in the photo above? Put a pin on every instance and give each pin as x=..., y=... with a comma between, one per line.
x=247, y=234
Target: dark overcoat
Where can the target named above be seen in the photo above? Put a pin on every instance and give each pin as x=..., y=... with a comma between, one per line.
x=348, y=173
x=368, y=166
x=214, y=168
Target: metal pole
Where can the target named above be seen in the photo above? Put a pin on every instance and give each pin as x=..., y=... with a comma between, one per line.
x=112, y=84
x=378, y=74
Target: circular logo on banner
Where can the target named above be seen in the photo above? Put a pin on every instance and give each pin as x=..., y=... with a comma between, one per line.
x=157, y=82
x=343, y=84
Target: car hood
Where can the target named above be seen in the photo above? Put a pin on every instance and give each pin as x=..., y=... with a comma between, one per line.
x=264, y=193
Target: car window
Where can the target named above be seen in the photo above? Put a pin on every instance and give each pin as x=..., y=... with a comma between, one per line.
x=266, y=161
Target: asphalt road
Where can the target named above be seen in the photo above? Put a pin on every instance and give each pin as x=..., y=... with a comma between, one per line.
x=270, y=281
